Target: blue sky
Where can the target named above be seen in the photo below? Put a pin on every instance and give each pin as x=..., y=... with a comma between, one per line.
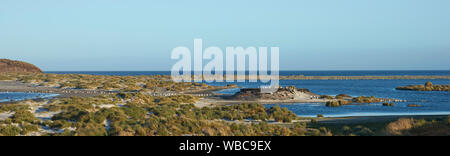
x=93, y=35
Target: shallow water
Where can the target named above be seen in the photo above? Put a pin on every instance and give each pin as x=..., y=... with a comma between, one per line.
x=18, y=96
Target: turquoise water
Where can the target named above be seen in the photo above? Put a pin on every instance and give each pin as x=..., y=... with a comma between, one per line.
x=18, y=96
x=432, y=103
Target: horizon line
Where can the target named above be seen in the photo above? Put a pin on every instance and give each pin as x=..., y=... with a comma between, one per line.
x=247, y=71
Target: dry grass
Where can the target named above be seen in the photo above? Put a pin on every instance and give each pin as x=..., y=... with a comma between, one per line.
x=411, y=127
x=396, y=128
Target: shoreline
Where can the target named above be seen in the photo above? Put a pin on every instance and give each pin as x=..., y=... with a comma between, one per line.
x=352, y=115
x=374, y=119
x=36, y=97
x=15, y=86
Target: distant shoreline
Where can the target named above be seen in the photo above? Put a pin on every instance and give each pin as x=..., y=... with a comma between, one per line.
x=302, y=74
x=374, y=119
x=283, y=72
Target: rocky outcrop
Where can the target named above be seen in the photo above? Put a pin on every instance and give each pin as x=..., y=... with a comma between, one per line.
x=287, y=93
x=10, y=66
x=427, y=87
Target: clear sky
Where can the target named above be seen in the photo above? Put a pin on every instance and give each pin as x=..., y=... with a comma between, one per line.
x=94, y=35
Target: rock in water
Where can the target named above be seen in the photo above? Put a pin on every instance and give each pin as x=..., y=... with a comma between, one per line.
x=10, y=66
x=287, y=93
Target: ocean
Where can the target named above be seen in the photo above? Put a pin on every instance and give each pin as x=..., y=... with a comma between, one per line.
x=432, y=103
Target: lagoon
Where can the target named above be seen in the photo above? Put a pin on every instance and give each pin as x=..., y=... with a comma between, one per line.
x=19, y=96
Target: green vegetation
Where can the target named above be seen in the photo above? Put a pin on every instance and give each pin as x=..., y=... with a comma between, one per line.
x=23, y=116
x=364, y=99
x=135, y=114
x=28, y=128
x=427, y=87
x=12, y=108
x=326, y=97
x=337, y=103
x=281, y=114
x=9, y=130
x=343, y=96
x=342, y=99
x=157, y=83
x=21, y=123
x=358, y=130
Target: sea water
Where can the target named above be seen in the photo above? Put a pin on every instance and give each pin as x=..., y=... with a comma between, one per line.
x=18, y=96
